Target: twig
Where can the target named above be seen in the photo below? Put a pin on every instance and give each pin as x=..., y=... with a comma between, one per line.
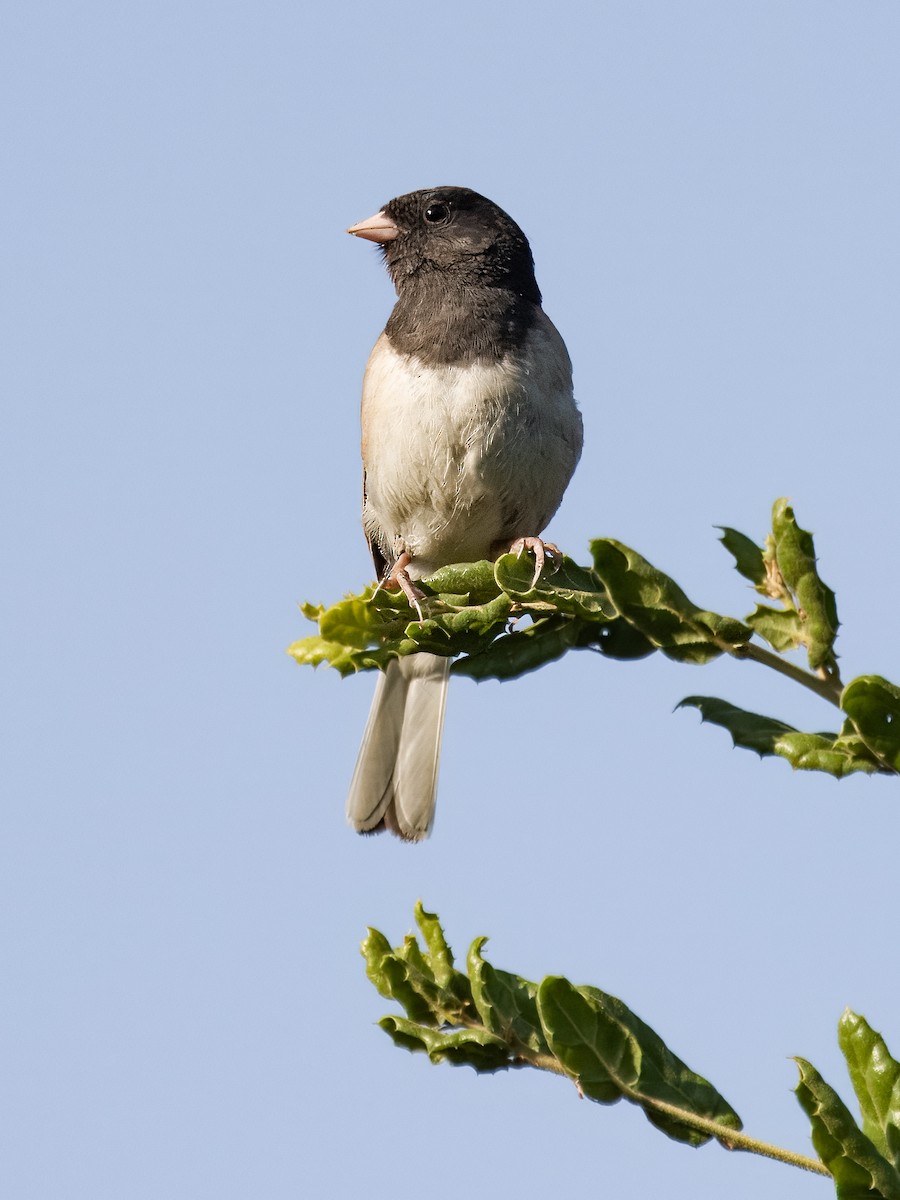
x=828, y=689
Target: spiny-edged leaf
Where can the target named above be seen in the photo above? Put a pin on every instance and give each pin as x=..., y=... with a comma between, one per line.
x=391, y=976
x=462, y=1047
x=365, y=632
x=593, y=1048
x=567, y=589
x=750, y=730
x=358, y=633
x=313, y=651
x=468, y=583
x=452, y=631
x=783, y=629
x=616, y=639
x=873, y=705
x=366, y=620
x=522, y=650
x=832, y=754
x=876, y=1080
x=796, y=556
x=447, y=998
x=835, y=754
x=441, y=959
x=859, y=1170
x=506, y=1003
x=612, y=1054
x=375, y=949
x=748, y=557
x=659, y=609
x=426, y=984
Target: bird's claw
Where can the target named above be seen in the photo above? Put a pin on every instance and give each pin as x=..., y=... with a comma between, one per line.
x=397, y=576
x=540, y=549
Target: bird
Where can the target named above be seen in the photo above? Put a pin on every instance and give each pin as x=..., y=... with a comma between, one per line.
x=470, y=435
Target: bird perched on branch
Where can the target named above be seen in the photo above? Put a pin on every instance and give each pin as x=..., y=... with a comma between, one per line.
x=470, y=435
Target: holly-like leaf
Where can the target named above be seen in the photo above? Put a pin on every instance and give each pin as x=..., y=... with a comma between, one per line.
x=461, y=1047
x=568, y=589
x=876, y=1080
x=748, y=557
x=617, y=639
x=365, y=632
x=440, y=954
x=784, y=629
x=752, y=731
x=425, y=983
x=506, y=1003
x=796, y=555
x=873, y=705
x=835, y=754
x=390, y=975
x=612, y=1054
x=659, y=609
x=522, y=650
x=465, y=583
x=859, y=1171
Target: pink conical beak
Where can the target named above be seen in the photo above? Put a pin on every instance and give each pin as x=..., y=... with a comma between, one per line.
x=379, y=228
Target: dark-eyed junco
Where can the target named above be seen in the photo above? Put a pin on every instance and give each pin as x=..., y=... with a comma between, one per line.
x=470, y=435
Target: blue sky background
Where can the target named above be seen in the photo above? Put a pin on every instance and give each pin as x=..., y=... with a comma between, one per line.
x=711, y=193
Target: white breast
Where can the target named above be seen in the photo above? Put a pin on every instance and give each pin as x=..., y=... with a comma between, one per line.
x=460, y=458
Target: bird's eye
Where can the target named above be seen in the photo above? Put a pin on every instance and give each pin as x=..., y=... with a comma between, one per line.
x=437, y=213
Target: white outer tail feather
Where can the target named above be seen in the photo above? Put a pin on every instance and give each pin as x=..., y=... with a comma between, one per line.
x=394, y=784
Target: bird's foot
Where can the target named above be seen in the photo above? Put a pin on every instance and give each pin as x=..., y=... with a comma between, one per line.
x=540, y=549
x=397, y=576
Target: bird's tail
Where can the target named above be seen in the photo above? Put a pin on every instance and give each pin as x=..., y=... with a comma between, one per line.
x=395, y=780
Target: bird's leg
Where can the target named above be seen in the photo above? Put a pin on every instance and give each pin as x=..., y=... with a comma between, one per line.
x=396, y=576
x=540, y=549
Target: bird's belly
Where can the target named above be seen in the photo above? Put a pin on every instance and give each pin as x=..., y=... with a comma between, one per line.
x=460, y=458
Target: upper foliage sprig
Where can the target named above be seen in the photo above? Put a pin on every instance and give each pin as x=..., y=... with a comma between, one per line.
x=621, y=606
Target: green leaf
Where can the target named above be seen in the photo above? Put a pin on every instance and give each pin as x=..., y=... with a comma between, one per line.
x=752, y=731
x=432, y=975
x=427, y=985
x=522, y=650
x=313, y=651
x=364, y=621
x=617, y=639
x=450, y=631
x=859, y=1171
x=873, y=705
x=876, y=1080
x=748, y=558
x=468, y=583
x=365, y=632
x=835, y=754
x=440, y=959
x=391, y=976
x=569, y=589
x=375, y=950
x=358, y=633
x=612, y=1054
x=783, y=629
x=506, y=1003
x=659, y=609
x=461, y=1047
x=796, y=557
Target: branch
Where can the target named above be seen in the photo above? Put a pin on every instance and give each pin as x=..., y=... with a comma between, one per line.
x=828, y=689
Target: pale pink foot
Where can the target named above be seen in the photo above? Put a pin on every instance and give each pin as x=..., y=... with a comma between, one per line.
x=539, y=548
x=397, y=576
